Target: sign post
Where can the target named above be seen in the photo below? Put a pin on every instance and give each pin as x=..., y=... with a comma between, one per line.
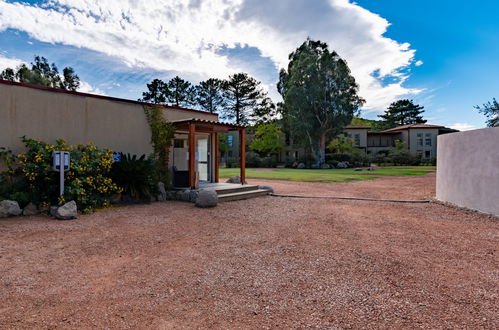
x=60, y=163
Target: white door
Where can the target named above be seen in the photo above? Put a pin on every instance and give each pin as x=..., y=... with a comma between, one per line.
x=203, y=157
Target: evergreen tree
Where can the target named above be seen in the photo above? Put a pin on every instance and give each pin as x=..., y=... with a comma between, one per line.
x=180, y=92
x=44, y=74
x=491, y=111
x=320, y=95
x=156, y=92
x=245, y=99
x=403, y=112
x=209, y=95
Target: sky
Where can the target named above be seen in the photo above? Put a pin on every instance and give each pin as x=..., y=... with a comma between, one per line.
x=443, y=54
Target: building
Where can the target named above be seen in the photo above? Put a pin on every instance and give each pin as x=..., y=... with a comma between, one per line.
x=421, y=138
x=48, y=114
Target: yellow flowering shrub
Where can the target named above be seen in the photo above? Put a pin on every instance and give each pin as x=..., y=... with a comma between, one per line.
x=87, y=182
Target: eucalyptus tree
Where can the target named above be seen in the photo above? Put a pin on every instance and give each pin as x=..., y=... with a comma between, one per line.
x=320, y=95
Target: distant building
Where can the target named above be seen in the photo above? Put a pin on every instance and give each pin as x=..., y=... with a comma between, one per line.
x=421, y=138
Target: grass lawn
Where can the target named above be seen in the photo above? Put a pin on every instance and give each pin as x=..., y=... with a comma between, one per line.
x=333, y=175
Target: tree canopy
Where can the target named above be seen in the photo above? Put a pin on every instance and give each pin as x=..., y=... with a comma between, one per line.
x=267, y=140
x=320, y=95
x=403, y=112
x=209, y=95
x=44, y=74
x=491, y=111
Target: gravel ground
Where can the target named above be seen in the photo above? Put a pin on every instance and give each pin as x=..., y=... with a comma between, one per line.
x=268, y=262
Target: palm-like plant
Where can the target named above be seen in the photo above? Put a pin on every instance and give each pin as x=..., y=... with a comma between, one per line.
x=135, y=176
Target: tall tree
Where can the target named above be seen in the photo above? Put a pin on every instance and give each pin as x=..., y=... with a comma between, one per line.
x=491, y=111
x=180, y=92
x=209, y=95
x=244, y=96
x=267, y=140
x=320, y=95
x=44, y=74
x=403, y=112
x=156, y=92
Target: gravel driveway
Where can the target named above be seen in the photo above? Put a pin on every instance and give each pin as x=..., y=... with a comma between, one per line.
x=268, y=262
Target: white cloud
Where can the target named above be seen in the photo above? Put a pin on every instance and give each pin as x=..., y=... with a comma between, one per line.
x=463, y=126
x=419, y=63
x=187, y=36
x=9, y=62
x=87, y=88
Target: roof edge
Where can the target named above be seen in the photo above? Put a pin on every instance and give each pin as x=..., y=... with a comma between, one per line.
x=104, y=97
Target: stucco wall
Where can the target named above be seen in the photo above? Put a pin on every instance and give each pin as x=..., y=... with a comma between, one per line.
x=413, y=140
x=468, y=169
x=362, y=135
x=49, y=115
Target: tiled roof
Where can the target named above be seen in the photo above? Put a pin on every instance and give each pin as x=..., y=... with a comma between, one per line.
x=206, y=122
x=403, y=127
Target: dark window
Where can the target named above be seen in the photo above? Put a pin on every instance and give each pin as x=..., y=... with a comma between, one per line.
x=229, y=140
x=230, y=153
x=427, y=153
x=178, y=143
x=357, y=139
x=428, y=140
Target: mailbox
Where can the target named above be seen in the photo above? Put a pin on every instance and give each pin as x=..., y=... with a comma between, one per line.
x=56, y=160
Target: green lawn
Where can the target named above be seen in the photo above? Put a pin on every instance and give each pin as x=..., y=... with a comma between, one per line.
x=333, y=175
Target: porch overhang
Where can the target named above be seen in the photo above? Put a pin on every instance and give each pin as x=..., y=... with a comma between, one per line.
x=194, y=125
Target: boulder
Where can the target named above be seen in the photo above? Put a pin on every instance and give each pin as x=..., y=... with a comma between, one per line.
x=301, y=166
x=161, y=192
x=234, y=179
x=30, y=209
x=206, y=198
x=9, y=208
x=193, y=196
x=269, y=188
x=325, y=166
x=67, y=211
x=53, y=210
x=357, y=169
x=342, y=165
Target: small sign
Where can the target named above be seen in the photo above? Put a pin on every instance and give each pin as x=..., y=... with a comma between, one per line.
x=56, y=160
x=116, y=158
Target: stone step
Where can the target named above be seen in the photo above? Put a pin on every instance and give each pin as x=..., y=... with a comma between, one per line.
x=234, y=188
x=242, y=195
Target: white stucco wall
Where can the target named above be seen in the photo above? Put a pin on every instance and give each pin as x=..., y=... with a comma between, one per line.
x=468, y=169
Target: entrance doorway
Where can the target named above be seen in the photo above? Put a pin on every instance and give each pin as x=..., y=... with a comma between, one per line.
x=203, y=157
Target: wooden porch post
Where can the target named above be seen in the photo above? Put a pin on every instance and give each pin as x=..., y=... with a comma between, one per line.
x=242, y=153
x=192, y=155
x=214, y=136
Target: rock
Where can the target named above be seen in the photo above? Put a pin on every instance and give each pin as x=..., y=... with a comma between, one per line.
x=67, y=211
x=357, y=169
x=9, y=208
x=269, y=188
x=234, y=179
x=301, y=166
x=30, y=209
x=325, y=166
x=53, y=210
x=207, y=198
x=342, y=165
x=161, y=192
x=115, y=198
x=193, y=196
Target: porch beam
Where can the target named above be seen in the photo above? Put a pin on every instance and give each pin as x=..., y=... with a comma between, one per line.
x=214, y=136
x=192, y=155
x=242, y=154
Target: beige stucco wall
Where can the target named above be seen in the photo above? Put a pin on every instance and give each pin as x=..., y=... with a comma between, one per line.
x=362, y=134
x=468, y=169
x=413, y=146
x=49, y=115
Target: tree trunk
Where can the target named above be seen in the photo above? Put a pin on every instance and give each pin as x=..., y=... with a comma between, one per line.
x=321, y=153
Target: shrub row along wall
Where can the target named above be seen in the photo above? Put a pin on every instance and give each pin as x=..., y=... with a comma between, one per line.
x=468, y=169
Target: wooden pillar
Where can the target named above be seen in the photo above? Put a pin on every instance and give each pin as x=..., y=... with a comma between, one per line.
x=242, y=153
x=214, y=136
x=192, y=155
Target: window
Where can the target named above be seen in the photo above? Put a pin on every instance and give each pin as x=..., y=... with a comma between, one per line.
x=229, y=140
x=230, y=153
x=357, y=139
x=428, y=140
x=178, y=143
x=420, y=139
x=296, y=154
x=427, y=153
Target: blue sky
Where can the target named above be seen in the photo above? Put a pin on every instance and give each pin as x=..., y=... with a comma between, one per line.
x=443, y=54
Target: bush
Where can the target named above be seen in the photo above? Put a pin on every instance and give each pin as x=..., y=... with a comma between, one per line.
x=333, y=163
x=404, y=157
x=135, y=176
x=268, y=162
x=87, y=182
x=307, y=159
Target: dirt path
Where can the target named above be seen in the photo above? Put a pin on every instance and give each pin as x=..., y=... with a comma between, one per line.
x=263, y=263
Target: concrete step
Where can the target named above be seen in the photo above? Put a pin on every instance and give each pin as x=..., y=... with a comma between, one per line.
x=242, y=195
x=234, y=188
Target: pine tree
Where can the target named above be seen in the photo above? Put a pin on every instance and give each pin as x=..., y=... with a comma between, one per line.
x=403, y=112
x=209, y=95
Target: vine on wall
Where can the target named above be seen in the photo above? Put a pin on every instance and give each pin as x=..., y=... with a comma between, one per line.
x=162, y=133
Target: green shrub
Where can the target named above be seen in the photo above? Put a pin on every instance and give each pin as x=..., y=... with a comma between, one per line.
x=135, y=176
x=333, y=163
